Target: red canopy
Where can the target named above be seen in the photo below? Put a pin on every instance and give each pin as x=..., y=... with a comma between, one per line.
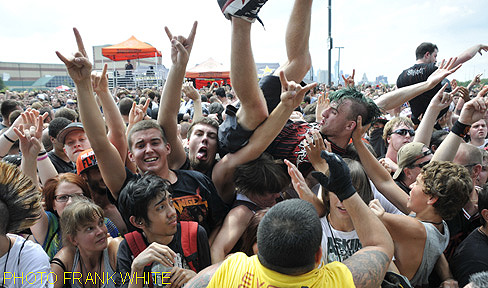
x=130, y=49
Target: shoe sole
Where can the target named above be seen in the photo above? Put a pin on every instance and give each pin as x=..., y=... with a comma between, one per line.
x=227, y=4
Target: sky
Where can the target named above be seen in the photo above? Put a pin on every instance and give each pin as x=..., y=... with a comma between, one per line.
x=379, y=36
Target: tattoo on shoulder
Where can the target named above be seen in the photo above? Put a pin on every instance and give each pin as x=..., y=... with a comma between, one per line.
x=202, y=279
x=199, y=281
x=368, y=267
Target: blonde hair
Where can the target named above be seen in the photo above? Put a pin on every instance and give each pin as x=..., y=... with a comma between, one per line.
x=395, y=122
x=79, y=213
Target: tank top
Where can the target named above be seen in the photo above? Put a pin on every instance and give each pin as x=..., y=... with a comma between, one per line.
x=102, y=281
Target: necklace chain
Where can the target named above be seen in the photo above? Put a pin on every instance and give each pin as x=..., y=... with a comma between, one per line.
x=99, y=270
x=6, y=260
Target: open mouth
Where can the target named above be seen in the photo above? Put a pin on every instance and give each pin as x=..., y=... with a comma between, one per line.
x=202, y=153
x=149, y=160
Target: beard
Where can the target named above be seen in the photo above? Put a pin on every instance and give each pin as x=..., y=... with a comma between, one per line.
x=96, y=188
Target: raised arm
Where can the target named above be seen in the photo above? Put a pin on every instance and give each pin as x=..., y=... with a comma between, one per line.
x=396, y=98
x=8, y=138
x=368, y=265
x=440, y=101
x=30, y=147
x=113, y=118
x=193, y=94
x=108, y=158
x=291, y=97
x=375, y=171
x=170, y=100
x=302, y=189
x=472, y=111
x=470, y=53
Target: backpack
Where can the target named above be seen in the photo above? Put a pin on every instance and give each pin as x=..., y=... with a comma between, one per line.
x=189, y=231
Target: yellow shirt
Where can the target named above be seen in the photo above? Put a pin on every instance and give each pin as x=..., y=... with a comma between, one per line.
x=247, y=272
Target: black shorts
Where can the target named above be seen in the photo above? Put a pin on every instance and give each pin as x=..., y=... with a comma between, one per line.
x=232, y=136
x=271, y=87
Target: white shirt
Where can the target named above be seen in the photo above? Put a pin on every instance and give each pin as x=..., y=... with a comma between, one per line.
x=33, y=268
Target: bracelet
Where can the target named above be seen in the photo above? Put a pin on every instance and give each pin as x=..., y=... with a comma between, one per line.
x=460, y=129
x=42, y=158
x=8, y=139
x=42, y=153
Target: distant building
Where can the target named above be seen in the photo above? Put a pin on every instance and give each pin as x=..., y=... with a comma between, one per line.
x=323, y=76
x=364, y=80
x=21, y=76
x=381, y=80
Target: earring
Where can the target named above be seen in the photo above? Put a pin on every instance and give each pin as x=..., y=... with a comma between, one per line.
x=140, y=223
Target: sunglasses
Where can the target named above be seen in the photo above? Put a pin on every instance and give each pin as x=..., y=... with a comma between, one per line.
x=403, y=132
x=420, y=165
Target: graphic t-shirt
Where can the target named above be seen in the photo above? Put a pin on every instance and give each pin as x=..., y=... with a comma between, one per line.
x=195, y=198
x=239, y=270
x=337, y=245
x=416, y=74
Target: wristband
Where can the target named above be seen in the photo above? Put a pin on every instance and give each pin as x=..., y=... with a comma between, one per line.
x=8, y=139
x=460, y=129
x=42, y=158
x=41, y=153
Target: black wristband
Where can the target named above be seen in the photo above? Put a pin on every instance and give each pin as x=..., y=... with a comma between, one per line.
x=460, y=129
x=41, y=153
x=8, y=139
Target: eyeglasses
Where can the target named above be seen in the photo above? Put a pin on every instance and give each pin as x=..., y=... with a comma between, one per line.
x=403, y=132
x=65, y=197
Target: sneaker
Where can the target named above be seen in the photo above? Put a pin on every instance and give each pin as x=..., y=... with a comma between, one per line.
x=245, y=9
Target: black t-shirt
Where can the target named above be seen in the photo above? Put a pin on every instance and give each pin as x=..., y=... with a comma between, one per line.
x=459, y=228
x=416, y=74
x=470, y=257
x=125, y=257
x=195, y=198
x=403, y=186
x=59, y=164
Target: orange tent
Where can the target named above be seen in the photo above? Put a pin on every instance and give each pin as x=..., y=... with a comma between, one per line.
x=130, y=49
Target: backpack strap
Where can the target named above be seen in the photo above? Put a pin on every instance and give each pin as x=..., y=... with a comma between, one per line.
x=136, y=242
x=137, y=245
x=189, y=231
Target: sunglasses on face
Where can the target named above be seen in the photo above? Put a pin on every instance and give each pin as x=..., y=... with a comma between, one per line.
x=403, y=132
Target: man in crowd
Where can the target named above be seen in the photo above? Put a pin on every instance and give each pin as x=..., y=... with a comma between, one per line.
x=426, y=55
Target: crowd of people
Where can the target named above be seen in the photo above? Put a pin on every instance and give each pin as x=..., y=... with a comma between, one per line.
x=269, y=182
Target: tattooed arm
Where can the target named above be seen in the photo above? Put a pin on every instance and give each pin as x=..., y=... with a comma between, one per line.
x=368, y=267
x=203, y=277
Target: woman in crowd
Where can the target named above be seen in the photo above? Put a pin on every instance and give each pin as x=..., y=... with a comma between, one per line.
x=58, y=193
x=88, y=257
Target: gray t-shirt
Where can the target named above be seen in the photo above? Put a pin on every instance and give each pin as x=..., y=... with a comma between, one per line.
x=435, y=244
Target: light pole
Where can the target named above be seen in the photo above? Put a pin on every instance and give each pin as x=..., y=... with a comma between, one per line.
x=329, y=42
x=339, y=65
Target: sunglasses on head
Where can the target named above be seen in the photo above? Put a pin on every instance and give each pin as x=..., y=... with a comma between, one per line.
x=403, y=132
x=420, y=165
